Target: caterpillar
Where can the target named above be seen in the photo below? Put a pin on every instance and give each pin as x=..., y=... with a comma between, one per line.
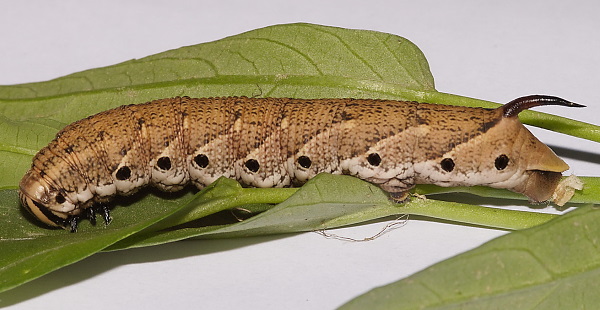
x=281, y=142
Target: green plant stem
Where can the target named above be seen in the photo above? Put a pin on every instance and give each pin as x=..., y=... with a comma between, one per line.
x=589, y=194
x=476, y=215
x=451, y=211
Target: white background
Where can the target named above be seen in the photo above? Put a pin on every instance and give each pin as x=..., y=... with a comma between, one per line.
x=490, y=50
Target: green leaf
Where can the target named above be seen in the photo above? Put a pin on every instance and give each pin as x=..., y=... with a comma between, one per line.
x=324, y=202
x=340, y=201
x=29, y=251
x=551, y=266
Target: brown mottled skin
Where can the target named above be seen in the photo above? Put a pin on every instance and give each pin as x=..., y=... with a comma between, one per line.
x=259, y=142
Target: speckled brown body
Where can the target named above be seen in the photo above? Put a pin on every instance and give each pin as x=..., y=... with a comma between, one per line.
x=275, y=142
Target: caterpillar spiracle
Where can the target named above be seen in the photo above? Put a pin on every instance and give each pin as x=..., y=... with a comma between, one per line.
x=281, y=142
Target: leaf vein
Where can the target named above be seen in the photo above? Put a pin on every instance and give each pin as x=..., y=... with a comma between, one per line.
x=289, y=47
x=399, y=61
x=353, y=52
x=256, y=70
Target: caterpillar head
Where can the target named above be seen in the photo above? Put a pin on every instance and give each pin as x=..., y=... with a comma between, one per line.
x=542, y=167
x=49, y=204
x=506, y=156
x=520, y=162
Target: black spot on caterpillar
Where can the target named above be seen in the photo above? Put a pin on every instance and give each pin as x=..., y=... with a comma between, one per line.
x=278, y=142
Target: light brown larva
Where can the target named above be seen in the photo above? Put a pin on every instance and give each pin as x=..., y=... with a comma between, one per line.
x=278, y=142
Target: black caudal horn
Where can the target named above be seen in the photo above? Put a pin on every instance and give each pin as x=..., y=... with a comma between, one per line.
x=515, y=107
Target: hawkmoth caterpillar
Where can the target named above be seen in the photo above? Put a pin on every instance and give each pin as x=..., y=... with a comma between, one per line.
x=279, y=142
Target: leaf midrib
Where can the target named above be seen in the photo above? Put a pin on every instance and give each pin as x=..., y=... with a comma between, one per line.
x=390, y=89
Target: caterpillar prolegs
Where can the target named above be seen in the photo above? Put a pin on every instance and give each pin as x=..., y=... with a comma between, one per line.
x=280, y=142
